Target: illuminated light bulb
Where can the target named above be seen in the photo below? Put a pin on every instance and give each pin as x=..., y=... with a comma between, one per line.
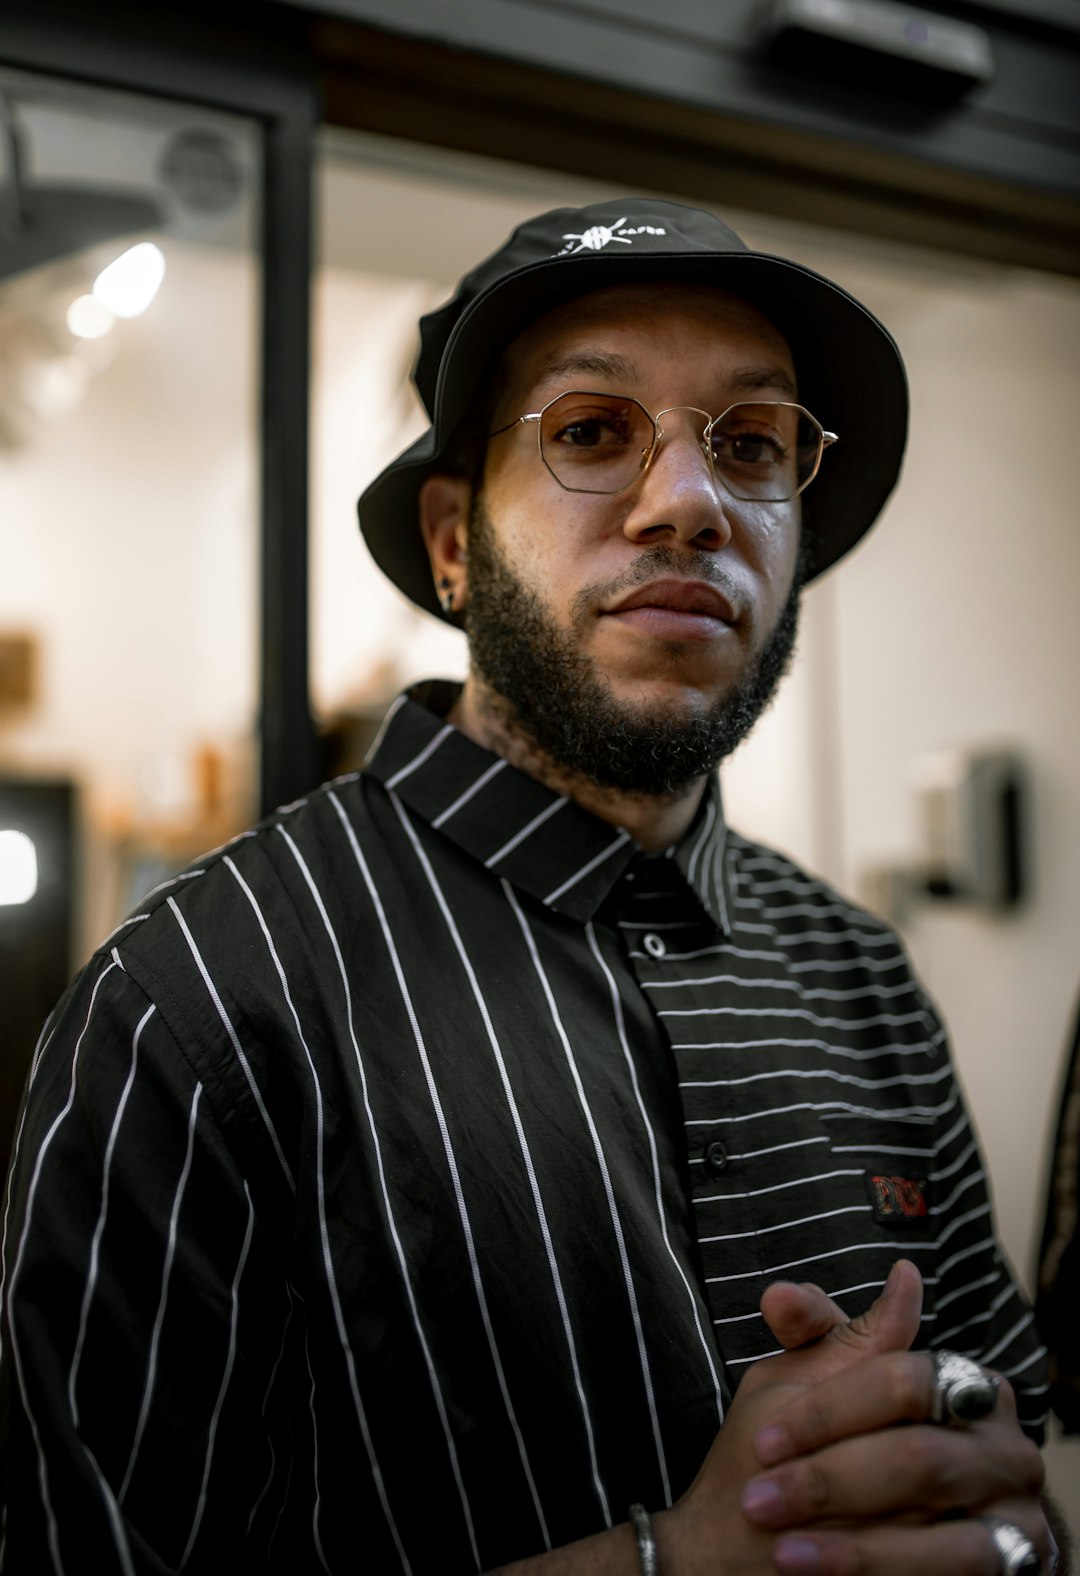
x=89, y=318
x=54, y=388
x=129, y=284
x=18, y=868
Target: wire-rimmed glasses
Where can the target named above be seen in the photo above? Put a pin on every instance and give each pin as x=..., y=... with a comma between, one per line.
x=764, y=451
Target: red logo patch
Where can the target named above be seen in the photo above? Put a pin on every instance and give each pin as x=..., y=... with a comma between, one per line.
x=898, y=1201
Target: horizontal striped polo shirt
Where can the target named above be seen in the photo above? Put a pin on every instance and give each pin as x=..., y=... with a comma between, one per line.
x=397, y=1187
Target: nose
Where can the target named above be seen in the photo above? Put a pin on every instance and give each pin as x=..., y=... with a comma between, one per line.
x=679, y=498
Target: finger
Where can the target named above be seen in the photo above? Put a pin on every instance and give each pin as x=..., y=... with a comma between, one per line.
x=799, y=1313
x=928, y=1469
x=833, y=1342
x=898, y=1387
x=949, y=1548
x=891, y=1323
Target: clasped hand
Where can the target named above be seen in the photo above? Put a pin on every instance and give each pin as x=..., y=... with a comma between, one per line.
x=828, y=1463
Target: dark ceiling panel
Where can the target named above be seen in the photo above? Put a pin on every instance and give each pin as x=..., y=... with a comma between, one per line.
x=1023, y=127
x=675, y=97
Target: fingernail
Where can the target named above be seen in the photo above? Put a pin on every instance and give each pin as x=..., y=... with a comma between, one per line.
x=772, y=1444
x=797, y=1557
x=762, y=1502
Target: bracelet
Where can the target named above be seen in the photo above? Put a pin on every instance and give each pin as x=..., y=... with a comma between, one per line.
x=639, y=1520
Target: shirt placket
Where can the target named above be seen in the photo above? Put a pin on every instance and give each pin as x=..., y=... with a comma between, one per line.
x=672, y=945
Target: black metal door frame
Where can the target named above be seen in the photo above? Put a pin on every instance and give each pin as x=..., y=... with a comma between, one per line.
x=263, y=73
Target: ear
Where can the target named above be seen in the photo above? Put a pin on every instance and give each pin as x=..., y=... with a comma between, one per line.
x=445, y=503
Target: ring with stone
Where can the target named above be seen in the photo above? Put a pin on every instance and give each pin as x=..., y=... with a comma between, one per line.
x=963, y=1392
x=1018, y=1555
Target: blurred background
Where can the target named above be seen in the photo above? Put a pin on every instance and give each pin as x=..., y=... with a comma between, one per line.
x=217, y=230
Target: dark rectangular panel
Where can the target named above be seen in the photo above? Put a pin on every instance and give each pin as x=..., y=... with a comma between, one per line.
x=1023, y=127
x=35, y=935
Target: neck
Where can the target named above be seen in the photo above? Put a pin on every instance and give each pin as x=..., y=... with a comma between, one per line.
x=654, y=821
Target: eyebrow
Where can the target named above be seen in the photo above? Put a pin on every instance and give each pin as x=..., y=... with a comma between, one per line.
x=605, y=364
x=620, y=369
x=749, y=379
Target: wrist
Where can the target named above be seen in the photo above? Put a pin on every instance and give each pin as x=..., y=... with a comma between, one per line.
x=667, y=1535
x=641, y=1523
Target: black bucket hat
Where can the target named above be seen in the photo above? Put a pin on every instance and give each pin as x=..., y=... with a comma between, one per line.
x=849, y=369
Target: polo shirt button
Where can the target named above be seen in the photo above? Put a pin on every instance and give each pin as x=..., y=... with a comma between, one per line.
x=654, y=945
x=716, y=1157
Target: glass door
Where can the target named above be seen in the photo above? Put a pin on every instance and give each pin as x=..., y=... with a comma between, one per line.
x=152, y=294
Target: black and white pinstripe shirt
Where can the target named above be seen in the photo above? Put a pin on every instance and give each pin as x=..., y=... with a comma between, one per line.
x=397, y=1187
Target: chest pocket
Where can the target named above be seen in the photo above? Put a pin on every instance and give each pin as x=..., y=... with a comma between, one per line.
x=890, y=1211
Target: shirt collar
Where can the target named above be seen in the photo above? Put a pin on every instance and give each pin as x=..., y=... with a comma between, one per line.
x=537, y=839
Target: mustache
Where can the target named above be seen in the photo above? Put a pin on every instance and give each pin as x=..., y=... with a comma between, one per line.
x=653, y=564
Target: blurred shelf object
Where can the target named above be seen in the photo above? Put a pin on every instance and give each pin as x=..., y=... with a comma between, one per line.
x=18, y=672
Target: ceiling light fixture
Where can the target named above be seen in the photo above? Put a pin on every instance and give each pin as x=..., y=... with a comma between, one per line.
x=127, y=287
x=89, y=319
x=40, y=223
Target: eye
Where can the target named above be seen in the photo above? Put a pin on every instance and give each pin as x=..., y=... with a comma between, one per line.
x=766, y=451
x=595, y=442
x=602, y=430
x=756, y=448
x=751, y=440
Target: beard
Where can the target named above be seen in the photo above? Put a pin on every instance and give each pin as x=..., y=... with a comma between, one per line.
x=549, y=695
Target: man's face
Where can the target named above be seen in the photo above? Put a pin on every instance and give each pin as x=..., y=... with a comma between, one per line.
x=634, y=637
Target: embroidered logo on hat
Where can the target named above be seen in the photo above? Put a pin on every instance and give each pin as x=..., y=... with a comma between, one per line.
x=597, y=236
x=898, y=1201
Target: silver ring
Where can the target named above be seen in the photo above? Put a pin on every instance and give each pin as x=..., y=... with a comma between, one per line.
x=1018, y=1555
x=963, y=1392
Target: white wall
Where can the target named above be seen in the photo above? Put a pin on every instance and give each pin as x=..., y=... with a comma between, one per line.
x=957, y=625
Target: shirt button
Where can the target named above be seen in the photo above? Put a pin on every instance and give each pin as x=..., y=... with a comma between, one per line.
x=654, y=945
x=716, y=1157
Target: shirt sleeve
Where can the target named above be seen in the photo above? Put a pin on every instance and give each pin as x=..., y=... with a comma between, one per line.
x=137, y=1354
x=979, y=1309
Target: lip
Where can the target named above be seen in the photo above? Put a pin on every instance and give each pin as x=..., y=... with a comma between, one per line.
x=695, y=599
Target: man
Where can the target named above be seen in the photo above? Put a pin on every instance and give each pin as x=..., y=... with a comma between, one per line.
x=419, y=1182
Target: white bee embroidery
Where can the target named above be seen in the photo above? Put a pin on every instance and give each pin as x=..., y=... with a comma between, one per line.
x=600, y=235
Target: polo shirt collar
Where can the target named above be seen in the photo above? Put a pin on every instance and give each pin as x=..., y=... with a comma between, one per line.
x=537, y=839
